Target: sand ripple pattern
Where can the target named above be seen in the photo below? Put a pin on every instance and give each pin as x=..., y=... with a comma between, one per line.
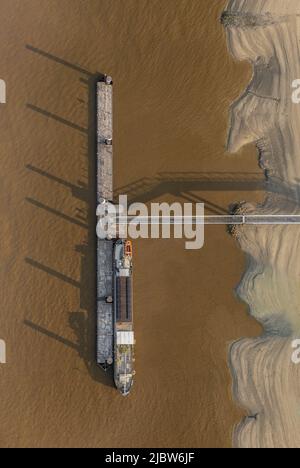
x=266, y=381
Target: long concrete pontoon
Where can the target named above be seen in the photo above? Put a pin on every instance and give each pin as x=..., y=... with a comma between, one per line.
x=104, y=247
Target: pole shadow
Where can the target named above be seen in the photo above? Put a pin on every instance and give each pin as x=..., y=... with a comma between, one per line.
x=59, y=60
x=82, y=322
x=78, y=191
x=59, y=119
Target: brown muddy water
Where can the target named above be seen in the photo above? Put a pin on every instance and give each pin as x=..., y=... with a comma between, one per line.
x=174, y=81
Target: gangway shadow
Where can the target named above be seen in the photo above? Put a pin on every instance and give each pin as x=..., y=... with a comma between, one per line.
x=181, y=183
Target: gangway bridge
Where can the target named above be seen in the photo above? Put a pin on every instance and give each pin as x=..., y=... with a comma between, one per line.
x=278, y=219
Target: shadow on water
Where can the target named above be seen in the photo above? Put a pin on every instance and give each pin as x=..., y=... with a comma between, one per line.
x=83, y=321
x=180, y=184
x=77, y=222
x=59, y=119
x=78, y=191
x=50, y=271
x=84, y=324
x=59, y=60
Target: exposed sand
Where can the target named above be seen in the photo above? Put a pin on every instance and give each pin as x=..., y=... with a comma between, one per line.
x=174, y=81
x=266, y=380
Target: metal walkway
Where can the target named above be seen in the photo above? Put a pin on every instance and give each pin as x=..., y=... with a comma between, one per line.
x=212, y=220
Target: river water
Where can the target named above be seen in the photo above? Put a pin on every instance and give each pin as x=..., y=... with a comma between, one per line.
x=173, y=84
